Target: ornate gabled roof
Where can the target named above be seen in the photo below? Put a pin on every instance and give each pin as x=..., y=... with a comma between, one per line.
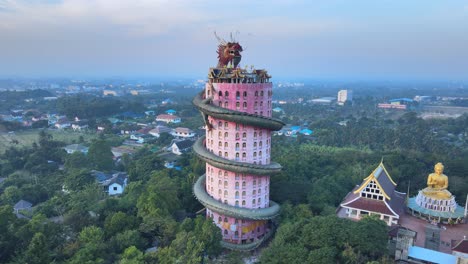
x=237, y=73
x=382, y=179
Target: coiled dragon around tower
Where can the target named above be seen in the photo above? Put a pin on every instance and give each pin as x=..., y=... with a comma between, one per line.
x=236, y=108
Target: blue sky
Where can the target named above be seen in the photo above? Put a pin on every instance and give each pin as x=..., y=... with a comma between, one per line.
x=309, y=39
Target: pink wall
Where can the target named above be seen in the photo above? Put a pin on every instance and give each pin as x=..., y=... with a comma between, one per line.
x=233, y=141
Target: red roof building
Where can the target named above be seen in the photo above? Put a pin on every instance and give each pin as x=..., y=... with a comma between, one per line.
x=461, y=249
x=376, y=195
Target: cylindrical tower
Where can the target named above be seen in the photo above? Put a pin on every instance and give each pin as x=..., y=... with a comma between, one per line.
x=236, y=106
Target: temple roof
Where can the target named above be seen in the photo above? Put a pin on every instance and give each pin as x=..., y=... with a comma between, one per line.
x=395, y=206
x=394, y=202
x=382, y=178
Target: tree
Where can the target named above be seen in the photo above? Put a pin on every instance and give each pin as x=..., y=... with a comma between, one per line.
x=131, y=255
x=119, y=222
x=76, y=160
x=76, y=180
x=37, y=252
x=100, y=155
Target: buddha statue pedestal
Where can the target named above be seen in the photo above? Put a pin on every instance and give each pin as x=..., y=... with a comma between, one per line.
x=436, y=203
x=436, y=200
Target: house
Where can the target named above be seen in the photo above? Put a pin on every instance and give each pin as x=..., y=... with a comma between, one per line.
x=121, y=150
x=181, y=147
x=277, y=109
x=113, y=184
x=158, y=130
x=70, y=149
x=62, y=123
x=377, y=196
x=306, y=132
x=166, y=101
x=144, y=130
x=183, y=132
x=22, y=205
x=117, y=183
x=168, y=118
x=171, y=112
x=292, y=131
x=140, y=138
x=461, y=249
x=170, y=159
x=150, y=113
x=79, y=125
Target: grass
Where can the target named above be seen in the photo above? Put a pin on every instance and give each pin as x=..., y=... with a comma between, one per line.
x=28, y=137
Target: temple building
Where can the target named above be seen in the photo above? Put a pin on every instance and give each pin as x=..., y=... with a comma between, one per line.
x=376, y=195
x=236, y=107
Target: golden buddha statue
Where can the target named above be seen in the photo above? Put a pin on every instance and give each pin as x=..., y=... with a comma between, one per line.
x=437, y=184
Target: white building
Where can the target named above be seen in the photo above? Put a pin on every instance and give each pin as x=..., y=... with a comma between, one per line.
x=70, y=149
x=344, y=96
x=158, y=130
x=168, y=118
x=183, y=132
x=181, y=147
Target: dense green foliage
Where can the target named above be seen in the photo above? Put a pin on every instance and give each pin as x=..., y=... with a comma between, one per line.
x=303, y=238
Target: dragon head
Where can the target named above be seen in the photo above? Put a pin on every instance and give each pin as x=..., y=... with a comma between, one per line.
x=228, y=52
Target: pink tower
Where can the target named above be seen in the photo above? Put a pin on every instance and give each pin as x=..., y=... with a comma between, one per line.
x=236, y=106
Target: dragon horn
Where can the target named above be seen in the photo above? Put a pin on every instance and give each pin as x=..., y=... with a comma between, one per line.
x=221, y=41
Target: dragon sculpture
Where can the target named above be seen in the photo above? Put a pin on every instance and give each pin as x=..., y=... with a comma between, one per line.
x=228, y=52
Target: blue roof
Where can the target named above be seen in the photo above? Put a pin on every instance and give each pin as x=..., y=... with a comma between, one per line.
x=401, y=99
x=306, y=131
x=431, y=255
x=171, y=111
x=295, y=128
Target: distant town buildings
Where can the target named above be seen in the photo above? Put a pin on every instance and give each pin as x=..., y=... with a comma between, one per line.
x=323, y=100
x=344, y=96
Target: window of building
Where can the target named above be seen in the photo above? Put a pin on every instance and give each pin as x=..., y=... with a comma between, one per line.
x=226, y=104
x=237, y=95
x=226, y=93
x=244, y=94
x=244, y=105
